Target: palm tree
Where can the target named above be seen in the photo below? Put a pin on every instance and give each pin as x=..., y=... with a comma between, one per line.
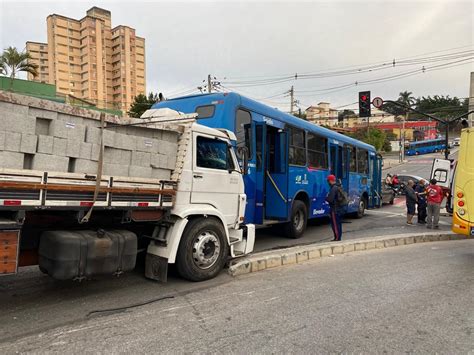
x=3, y=67
x=406, y=98
x=14, y=62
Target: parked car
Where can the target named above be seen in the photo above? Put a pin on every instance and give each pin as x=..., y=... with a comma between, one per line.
x=457, y=142
x=388, y=195
x=403, y=181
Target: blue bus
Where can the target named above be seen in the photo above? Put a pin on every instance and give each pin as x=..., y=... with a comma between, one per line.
x=289, y=160
x=425, y=147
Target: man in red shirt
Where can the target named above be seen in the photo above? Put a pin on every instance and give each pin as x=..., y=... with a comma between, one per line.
x=434, y=195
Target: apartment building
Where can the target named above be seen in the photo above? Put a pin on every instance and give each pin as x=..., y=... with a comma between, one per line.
x=90, y=60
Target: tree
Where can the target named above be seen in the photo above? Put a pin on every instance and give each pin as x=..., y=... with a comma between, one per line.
x=376, y=137
x=13, y=62
x=405, y=98
x=3, y=67
x=345, y=113
x=141, y=103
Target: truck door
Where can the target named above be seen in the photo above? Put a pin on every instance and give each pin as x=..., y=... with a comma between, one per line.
x=217, y=180
x=276, y=171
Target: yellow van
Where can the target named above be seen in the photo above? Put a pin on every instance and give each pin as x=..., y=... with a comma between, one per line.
x=463, y=214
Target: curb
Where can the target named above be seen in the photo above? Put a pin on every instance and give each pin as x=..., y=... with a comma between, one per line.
x=299, y=254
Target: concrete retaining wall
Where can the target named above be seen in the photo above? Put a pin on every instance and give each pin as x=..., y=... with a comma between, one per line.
x=49, y=136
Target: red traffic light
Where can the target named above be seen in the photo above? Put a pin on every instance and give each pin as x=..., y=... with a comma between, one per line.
x=363, y=98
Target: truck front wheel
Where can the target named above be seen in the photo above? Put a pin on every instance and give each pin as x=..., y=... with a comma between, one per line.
x=203, y=250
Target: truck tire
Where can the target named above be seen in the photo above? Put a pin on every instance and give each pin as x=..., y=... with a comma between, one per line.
x=299, y=217
x=203, y=250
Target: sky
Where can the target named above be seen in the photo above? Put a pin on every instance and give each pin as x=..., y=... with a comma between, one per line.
x=247, y=44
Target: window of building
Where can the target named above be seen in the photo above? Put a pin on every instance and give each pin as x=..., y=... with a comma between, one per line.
x=317, y=152
x=213, y=154
x=297, y=153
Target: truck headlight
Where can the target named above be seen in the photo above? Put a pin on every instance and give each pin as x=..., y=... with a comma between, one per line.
x=461, y=211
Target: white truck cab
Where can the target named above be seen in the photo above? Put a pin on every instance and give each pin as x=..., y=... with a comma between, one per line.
x=208, y=213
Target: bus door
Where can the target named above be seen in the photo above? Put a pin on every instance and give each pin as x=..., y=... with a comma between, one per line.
x=276, y=173
x=372, y=191
x=338, y=159
x=259, y=172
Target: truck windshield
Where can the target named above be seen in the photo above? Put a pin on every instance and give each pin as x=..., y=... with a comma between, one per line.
x=213, y=154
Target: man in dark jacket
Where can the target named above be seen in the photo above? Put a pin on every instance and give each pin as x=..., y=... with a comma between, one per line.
x=335, y=210
x=420, y=190
x=410, y=200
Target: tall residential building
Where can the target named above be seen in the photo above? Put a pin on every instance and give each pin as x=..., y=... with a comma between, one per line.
x=90, y=60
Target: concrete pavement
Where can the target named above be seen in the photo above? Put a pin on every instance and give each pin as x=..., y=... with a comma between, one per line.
x=416, y=298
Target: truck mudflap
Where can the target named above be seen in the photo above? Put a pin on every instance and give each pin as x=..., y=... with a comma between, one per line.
x=156, y=268
x=9, y=249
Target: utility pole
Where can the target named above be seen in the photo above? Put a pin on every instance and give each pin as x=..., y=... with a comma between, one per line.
x=292, y=102
x=209, y=84
x=405, y=118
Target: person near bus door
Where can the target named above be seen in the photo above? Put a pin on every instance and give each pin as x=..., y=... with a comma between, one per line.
x=336, y=200
x=420, y=191
x=411, y=199
x=435, y=197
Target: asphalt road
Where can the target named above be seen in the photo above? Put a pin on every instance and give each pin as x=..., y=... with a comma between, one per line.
x=32, y=302
x=416, y=298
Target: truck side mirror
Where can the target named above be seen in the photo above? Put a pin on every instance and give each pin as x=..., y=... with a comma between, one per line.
x=243, y=153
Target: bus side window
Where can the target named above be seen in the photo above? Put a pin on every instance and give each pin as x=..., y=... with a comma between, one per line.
x=317, y=152
x=362, y=161
x=243, y=130
x=297, y=150
x=353, y=161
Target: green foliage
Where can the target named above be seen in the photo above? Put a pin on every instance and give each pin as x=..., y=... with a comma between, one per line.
x=441, y=106
x=301, y=115
x=438, y=106
x=141, y=103
x=13, y=61
x=375, y=137
x=345, y=113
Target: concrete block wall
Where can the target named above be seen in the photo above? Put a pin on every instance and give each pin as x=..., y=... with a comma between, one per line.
x=48, y=136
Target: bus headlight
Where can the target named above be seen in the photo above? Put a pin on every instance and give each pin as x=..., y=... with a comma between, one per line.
x=461, y=211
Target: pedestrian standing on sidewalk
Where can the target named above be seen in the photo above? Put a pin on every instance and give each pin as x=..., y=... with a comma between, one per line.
x=434, y=195
x=410, y=196
x=420, y=191
x=336, y=199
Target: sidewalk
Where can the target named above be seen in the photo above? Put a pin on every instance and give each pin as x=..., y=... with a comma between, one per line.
x=298, y=254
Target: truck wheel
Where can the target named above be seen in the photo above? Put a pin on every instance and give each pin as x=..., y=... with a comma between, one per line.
x=299, y=216
x=203, y=250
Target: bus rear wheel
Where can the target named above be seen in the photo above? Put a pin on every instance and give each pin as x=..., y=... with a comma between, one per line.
x=299, y=217
x=362, y=206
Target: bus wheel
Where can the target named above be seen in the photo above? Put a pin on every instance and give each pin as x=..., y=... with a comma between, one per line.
x=203, y=250
x=362, y=206
x=299, y=216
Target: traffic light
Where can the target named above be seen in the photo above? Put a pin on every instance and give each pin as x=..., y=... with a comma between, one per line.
x=364, y=104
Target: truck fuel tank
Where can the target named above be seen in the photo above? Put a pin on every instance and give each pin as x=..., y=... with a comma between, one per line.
x=66, y=255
